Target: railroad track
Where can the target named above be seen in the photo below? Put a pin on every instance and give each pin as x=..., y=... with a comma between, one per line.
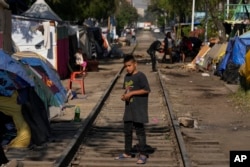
x=203, y=147
x=99, y=137
x=103, y=140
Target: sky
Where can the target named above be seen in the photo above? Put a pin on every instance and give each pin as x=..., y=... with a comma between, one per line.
x=141, y=3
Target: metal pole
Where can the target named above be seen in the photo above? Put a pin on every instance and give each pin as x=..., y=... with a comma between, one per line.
x=227, y=9
x=165, y=21
x=206, y=19
x=192, y=24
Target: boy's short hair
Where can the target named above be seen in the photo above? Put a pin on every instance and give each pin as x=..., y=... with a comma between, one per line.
x=129, y=57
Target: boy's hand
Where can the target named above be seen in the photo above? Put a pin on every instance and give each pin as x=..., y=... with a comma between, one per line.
x=125, y=97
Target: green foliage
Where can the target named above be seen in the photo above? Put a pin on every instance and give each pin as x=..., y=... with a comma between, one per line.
x=160, y=21
x=211, y=28
x=78, y=10
x=241, y=99
x=126, y=14
x=180, y=10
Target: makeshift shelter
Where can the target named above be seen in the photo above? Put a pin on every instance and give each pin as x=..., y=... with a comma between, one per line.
x=201, y=54
x=20, y=101
x=237, y=18
x=49, y=76
x=41, y=10
x=38, y=30
x=234, y=58
x=199, y=57
x=212, y=57
x=91, y=40
x=236, y=50
x=244, y=72
x=19, y=80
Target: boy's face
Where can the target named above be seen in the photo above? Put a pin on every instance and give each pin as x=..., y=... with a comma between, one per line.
x=130, y=66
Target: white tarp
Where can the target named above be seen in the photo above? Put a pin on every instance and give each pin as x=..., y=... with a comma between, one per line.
x=35, y=35
x=41, y=10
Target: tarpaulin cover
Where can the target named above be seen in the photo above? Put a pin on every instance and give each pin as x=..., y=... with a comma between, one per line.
x=40, y=9
x=12, y=74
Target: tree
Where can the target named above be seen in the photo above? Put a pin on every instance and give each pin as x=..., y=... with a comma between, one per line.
x=78, y=10
x=181, y=10
x=17, y=7
x=125, y=14
x=216, y=15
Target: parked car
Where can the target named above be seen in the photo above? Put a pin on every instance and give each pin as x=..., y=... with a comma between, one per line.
x=147, y=28
x=156, y=30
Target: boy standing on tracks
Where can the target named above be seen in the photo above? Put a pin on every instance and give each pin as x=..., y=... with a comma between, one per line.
x=136, y=109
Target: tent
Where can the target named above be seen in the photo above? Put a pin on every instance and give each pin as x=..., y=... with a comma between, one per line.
x=44, y=37
x=245, y=73
x=23, y=104
x=39, y=30
x=201, y=54
x=13, y=76
x=91, y=41
x=199, y=58
x=28, y=36
x=234, y=58
x=48, y=75
x=236, y=50
x=41, y=10
x=212, y=56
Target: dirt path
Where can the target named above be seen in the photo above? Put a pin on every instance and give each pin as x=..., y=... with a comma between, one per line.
x=208, y=99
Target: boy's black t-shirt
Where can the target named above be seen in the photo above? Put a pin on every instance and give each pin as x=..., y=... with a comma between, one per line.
x=136, y=109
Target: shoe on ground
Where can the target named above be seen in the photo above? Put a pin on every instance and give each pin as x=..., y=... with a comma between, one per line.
x=142, y=159
x=123, y=156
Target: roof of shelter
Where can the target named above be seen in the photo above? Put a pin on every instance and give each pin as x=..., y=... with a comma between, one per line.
x=3, y=4
x=40, y=9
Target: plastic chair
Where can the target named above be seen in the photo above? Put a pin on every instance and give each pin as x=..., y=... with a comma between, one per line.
x=77, y=77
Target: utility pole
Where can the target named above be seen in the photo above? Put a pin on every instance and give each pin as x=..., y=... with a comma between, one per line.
x=227, y=9
x=192, y=24
x=206, y=22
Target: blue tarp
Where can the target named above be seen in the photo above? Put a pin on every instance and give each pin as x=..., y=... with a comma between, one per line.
x=240, y=50
x=52, y=75
x=225, y=59
x=236, y=51
x=13, y=75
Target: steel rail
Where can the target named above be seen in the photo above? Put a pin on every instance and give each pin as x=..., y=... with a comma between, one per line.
x=185, y=158
x=68, y=153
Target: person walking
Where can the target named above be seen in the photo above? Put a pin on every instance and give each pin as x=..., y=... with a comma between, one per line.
x=136, y=109
x=168, y=45
x=133, y=35
x=155, y=46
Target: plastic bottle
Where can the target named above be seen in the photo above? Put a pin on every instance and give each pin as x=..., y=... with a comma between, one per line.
x=77, y=114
